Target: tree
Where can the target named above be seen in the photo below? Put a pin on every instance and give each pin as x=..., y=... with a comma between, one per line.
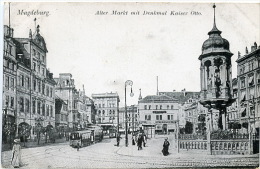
x=188, y=127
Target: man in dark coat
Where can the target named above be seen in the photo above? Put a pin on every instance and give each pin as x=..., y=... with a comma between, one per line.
x=166, y=145
x=139, y=142
x=118, y=140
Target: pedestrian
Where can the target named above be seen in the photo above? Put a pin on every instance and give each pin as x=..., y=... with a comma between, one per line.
x=166, y=145
x=16, y=154
x=78, y=146
x=139, y=142
x=118, y=140
x=144, y=140
x=133, y=141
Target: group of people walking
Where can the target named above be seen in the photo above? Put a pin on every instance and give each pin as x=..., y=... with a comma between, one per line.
x=141, y=140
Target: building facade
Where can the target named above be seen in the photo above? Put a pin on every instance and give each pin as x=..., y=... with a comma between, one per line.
x=158, y=114
x=36, y=85
x=32, y=101
x=233, y=113
x=9, y=103
x=65, y=89
x=61, y=114
x=107, y=109
x=248, y=68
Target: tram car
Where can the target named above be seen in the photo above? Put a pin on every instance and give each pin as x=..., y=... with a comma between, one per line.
x=97, y=132
x=86, y=137
x=81, y=138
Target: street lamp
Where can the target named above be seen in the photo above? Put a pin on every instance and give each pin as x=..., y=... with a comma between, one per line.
x=253, y=110
x=127, y=83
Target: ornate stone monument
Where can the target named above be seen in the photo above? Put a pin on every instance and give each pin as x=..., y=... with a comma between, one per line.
x=216, y=74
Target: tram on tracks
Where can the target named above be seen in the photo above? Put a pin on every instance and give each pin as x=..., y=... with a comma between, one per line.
x=86, y=137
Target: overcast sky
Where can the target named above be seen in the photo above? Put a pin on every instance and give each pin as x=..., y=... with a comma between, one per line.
x=103, y=51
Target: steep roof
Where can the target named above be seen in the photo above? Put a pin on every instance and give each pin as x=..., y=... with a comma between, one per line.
x=182, y=97
x=157, y=98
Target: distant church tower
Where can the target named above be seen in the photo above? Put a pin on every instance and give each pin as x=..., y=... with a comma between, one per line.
x=140, y=95
x=215, y=74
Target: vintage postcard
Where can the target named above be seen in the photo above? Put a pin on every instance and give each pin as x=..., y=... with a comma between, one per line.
x=130, y=85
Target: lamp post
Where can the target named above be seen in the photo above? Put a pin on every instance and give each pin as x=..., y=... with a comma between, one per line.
x=253, y=110
x=127, y=83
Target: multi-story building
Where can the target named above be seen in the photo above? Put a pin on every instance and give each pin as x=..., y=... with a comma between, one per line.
x=122, y=119
x=232, y=111
x=248, y=69
x=107, y=107
x=36, y=85
x=196, y=114
x=91, y=111
x=61, y=114
x=9, y=102
x=81, y=108
x=183, y=99
x=133, y=118
x=65, y=89
x=158, y=114
x=34, y=100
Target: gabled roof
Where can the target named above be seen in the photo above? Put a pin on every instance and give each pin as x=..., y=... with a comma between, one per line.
x=157, y=98
x=182, y=97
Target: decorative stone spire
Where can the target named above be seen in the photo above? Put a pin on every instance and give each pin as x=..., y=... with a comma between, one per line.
x=239, y=54
x=246, y=50
x=140, y=95
x=214, y=29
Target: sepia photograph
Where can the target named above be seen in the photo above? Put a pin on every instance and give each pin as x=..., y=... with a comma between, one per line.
x=130, y=85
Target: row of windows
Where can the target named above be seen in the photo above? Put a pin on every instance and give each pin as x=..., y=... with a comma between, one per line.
x=110, y=112
x=9, y=101
x=157, y=107
x=9, y=83
x=39, y=86
x=42, y=108
x=23, y=81
x=251, y=80
x=250, y=66
x=158, y=117
x=39, y=69
x=8, y=49
x=251, y=112
x=10, y=64
x=103, y=105
x=38, y=55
